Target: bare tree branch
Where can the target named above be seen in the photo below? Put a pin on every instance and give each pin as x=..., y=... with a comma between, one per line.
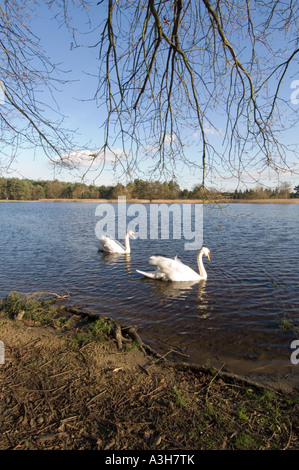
x=176, y=63
x=184, y=83
x=25, y=70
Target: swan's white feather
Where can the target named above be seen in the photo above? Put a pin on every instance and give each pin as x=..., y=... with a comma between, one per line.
x=110, y=245
x=174, y=270
x=154, y=275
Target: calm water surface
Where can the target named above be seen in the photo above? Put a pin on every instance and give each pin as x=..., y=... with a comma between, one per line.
x=233, y=318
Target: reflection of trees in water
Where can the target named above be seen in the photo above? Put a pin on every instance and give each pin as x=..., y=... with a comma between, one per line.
x=117, y=259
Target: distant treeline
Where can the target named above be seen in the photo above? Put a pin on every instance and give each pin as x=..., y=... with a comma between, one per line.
x=25, y=190
x=282, y=191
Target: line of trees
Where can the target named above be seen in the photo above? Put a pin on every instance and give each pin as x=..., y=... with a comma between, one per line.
x=283, y=191
x=25, y=190
x=164, y=73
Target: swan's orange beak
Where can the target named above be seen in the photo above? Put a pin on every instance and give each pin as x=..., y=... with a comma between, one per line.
x=209, y=258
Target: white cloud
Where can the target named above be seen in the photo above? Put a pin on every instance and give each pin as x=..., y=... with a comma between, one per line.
x=169, y=138
x=207, y=130
x=88, y=157
x=212, y=130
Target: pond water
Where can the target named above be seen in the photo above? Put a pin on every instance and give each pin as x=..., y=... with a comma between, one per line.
x=232, y=320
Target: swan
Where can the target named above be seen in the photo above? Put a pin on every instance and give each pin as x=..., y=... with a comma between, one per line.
x=109, y=245
x=174, y=270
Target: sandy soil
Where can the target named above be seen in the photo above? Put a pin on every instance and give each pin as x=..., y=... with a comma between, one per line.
x=60, y=392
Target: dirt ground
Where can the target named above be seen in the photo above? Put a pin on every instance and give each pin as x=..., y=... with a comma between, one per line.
x=62, y=390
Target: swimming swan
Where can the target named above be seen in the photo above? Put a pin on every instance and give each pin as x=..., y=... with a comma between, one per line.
x=174, y=270
x=109, y=245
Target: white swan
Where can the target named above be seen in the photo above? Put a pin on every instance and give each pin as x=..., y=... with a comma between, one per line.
x=174, y=270
x=109, y=245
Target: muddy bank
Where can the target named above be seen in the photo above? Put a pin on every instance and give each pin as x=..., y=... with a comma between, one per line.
x=73, y=382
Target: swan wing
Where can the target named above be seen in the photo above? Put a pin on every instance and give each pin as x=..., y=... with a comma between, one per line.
x=111, y=245
x=154, y=275
x=165, y=264
x=168, y=264
x=174, y=269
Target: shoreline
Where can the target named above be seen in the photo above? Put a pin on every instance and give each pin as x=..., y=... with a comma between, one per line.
x=75, y=381
x=165, y=201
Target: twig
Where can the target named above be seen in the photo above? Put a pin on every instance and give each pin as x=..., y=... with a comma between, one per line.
x=58, y=296
x=96, y=396
x=211, y=381
x=290, y=437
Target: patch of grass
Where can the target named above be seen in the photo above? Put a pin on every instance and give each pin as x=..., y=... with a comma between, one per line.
x=97, y=330
x=79, y=339
x=179, y=397
x=63, y=322
x=246, y=441
x=39, y=309
x=287, y=324
x=243, y=414
x=17, y=305
x=100, y=329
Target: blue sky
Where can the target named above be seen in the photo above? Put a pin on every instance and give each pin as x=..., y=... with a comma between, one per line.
x=75, y=101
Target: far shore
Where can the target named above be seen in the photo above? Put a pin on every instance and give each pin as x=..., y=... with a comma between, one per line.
x=169, y=201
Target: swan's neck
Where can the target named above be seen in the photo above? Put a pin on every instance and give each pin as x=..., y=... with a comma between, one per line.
x=127, y=243
x=201, y=268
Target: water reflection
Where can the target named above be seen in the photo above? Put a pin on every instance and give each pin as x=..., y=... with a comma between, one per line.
x=112, y=259
x=175, y=289
x=232, y=316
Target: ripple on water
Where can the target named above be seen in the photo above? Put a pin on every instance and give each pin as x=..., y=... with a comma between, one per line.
x=233, y=317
